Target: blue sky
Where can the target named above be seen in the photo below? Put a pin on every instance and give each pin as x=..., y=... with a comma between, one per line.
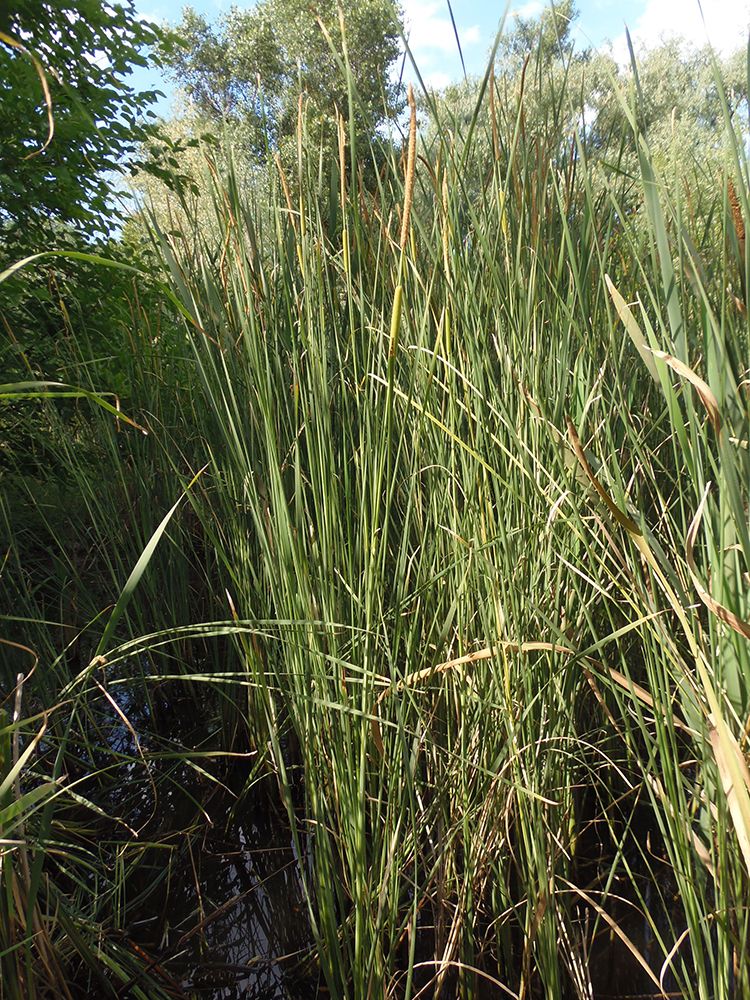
x=724, y=22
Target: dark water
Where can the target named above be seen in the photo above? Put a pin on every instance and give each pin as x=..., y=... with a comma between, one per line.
x=215, y=902
x=231, y=922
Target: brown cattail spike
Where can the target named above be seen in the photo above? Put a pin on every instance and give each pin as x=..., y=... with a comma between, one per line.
x=410, y=164
x=739, y=231
x=739, y=222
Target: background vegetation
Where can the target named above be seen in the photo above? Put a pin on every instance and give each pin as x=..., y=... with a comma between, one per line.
x=384, y=489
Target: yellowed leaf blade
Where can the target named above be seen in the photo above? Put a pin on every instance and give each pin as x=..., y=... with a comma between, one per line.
x=616, y=929
x=14, y=43
x=630, y=324
x=702, y=388
x=641, y=693
x=722, y=613
x=620, y=516
x=482, y=654
x=735, y=780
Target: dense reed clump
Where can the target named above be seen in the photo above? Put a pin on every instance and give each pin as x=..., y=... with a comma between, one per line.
x=465, y=509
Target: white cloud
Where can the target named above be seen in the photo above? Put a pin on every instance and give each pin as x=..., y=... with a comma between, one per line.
x=530, y=9
x=437, y=80
x=430, y=32
x=723, y=23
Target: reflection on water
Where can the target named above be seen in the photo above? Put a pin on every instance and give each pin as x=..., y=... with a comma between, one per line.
x=215, y=899
x=232, y=915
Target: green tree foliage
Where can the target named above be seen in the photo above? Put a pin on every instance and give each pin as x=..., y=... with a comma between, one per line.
x=250, y=68
x=548, y=36
x=535, y=57
x=59, y=152
x=677, y=97
x=70, y=126
x=548, y=95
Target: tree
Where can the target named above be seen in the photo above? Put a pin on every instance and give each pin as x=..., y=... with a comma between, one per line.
x=678, y=99
x=69, y=121
x=548, y=36
x=250, y=68
x=560, y=95
x=69, y=124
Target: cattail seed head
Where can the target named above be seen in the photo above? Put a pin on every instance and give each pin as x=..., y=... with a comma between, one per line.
x=410, y=166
